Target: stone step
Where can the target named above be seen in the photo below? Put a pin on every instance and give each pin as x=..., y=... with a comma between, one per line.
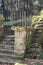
x=37, y=49
x=9, y=35
x=40, y=23
x=35, y=35
x=11, y=43
x=10, y=48
x=10, y=55
x=37, y=30
x=8, y=60
x=7, y=43
x=35, y=38
x=40, y=28
x=34, y=41
x=7, y=50
x=8, y=38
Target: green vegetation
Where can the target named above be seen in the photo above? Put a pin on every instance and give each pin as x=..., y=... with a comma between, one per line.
x=38, y=64
x=28, y=44
x=40, y=55
x=36, y=19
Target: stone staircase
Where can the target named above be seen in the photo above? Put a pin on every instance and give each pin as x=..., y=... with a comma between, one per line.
x=7, y=49
x=36, y=34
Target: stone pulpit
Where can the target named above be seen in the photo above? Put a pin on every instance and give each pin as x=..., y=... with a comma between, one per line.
x=20, y=38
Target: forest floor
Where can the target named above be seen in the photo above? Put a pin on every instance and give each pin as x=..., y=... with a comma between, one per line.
x=33, y=61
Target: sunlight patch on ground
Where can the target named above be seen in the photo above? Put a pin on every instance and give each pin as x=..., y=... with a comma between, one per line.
x=19, y=64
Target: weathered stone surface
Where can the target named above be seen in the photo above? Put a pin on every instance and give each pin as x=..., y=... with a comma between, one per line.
x=19, y=45
x=32, y=61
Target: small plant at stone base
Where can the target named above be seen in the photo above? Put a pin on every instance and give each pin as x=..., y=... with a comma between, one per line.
x=28, y=45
